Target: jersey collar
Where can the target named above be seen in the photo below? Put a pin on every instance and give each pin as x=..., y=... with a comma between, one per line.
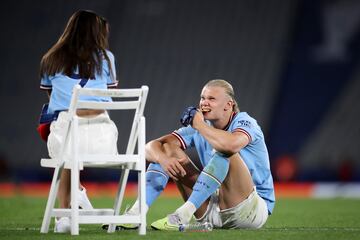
x=230, y=120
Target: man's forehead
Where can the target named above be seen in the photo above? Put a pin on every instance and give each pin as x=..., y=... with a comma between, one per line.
x=212, y=90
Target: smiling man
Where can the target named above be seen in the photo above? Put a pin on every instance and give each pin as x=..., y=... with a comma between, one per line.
x=230, y=185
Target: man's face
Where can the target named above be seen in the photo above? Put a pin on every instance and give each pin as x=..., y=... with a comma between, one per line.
x=214, y=102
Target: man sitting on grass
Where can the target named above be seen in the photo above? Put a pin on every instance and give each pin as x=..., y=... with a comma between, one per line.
x=231, y=185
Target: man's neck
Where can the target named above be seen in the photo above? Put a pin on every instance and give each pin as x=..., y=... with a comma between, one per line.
x=222, y=122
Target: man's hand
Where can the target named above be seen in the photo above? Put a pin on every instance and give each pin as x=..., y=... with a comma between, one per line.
x=197, y=120
x=172, y=166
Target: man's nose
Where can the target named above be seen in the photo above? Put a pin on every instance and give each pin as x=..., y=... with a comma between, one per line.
x=204, y=102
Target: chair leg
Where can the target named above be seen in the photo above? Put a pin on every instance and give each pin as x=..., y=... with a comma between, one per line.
x=141, y=177
x=51, y=200
x=119, y=196
x=74, y=199
x=142, y=194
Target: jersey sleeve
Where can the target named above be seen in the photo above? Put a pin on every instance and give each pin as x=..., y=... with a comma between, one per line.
x=247, y=127
x=111, y=82
x=185, y=135
x=45, y=83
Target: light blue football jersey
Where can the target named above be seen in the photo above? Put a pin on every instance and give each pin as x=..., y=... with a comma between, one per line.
x=254, y=154
x=61, y=86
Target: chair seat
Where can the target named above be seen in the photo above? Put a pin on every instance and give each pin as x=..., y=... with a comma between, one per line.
x=94, y=161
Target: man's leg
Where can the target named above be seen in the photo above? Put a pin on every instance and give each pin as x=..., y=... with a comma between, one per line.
x=157, y=178
x=185, y=184
x=156, y=181
x=240, y=205
x=237, y=185
x=206, y=184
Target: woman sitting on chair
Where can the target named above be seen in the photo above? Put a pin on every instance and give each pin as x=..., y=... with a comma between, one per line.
x=80, y=56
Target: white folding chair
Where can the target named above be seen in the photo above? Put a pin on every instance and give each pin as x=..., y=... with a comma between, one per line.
x=123, y=99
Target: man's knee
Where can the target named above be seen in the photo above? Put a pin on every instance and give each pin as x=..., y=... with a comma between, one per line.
x=218, y=167
x=192, y=173
x=172, y=150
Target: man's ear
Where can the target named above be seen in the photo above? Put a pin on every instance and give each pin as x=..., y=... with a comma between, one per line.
x=229, y=105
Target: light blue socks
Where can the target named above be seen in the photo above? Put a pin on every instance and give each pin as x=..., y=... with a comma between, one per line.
x=156, y=180
x=210, y=179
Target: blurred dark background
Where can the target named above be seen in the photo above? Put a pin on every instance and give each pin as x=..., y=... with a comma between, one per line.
x=294, y=66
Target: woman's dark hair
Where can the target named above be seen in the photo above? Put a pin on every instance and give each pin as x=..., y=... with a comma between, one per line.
x=82, y=46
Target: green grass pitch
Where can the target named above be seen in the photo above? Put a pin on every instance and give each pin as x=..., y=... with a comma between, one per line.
x=20, y=218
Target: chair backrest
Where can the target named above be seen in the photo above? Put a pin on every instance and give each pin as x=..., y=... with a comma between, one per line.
x=123, y=99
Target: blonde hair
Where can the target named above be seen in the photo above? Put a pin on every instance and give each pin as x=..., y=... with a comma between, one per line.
x=228, y=90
